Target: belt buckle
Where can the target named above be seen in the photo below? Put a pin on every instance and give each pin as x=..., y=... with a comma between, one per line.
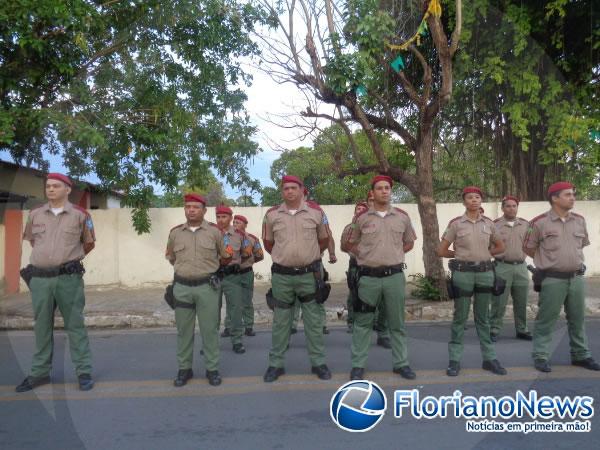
x=387, y=272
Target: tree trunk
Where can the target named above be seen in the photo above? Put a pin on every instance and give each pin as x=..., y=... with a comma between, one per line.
x=427, y=209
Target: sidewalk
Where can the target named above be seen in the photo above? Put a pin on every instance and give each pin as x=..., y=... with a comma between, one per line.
x=118, y=307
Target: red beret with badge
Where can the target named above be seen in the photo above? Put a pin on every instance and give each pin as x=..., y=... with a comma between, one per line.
x=559, y=186
x=60, y=177
x=376, y=179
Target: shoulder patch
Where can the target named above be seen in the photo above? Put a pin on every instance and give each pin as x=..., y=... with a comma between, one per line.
x=578, y=215
x=314, y=205
x=535, y=219
x=401, y=211
x=80, y=209
x=176, y=226
x=454, y=220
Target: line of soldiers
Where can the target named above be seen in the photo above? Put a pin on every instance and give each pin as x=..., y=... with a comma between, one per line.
x=210, y=260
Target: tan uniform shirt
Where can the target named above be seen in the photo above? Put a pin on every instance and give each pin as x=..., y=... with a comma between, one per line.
x=58, y=239
x=295, y=236
x=196, y=254
x=236, y=243
x=513, y=238
x=346, y=236
x=257, y=251
x=380, y=240
x=559, y=245
x=471, y=240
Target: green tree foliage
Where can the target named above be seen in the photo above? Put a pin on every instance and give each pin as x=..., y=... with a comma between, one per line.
x=140, y=92
x=209, y=187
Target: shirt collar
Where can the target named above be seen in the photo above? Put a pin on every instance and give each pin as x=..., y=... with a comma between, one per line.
x=283, y=207
x=67, y=207
x=516, y=220
x=465, y=218
x=186, y=226
x=553, y=216
x=390, y=210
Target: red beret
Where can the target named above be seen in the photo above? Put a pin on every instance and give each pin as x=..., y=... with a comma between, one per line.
x=194, y=198
x=472, y=189
x=559, y=186
x=241, y=218
x=510, y=197
x=363, y=204
x=222, y=209
x=378, y=178
x=291, y=179
x=60, y=177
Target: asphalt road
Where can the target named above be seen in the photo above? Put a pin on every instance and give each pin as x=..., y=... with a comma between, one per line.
x=135, y=406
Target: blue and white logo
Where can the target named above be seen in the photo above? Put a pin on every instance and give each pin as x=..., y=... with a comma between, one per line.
x=358, y=406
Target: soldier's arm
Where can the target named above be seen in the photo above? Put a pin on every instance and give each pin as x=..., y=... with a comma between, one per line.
x=28, y=234
x=331, y=248
x=257, y=251
x=323, y=233
x=88, y=236
x=447, y=240
x=409, y=237
x=353, y=238
x=498, y=245
x=532, y=240
x=169, y=253
x=246, y=250
x=225, y=251
x=267, y=234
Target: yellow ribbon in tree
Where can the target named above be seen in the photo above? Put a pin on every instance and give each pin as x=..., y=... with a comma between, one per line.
x=435, y=10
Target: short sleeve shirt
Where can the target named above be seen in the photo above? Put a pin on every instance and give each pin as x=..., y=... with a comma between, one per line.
x=236, y=244
x=380, y=240
x=57, y=239
x=558, y=245
x=513, y=238
x=471, y=239
x=296, y=236
x=196, y=254
x=257, y=251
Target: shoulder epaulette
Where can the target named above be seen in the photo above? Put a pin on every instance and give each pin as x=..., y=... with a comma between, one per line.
x=454, y=220
x=80, y=209
x=524, y=220
x=497, y=220
x=214, y=225
x=401, y=211
x=578, y=215
x=486, y=217
x=252, y=236
x=37, y=207
x=314, y=205
x=535, y=219
x=176, y=226
x=272, y=208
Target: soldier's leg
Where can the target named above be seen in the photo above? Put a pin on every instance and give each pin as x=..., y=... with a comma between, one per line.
x=232, y=289
x=207, y=311
x=296, y=308
x=185, y=319
x=393, y=299
x=227, y=322
x=381, y=320
x=247, y=295
x=481, y=313
x=520, y=292
x=552, y=297
x=370, y=291
x=575, y=310
x=283, y=291
x=313, y=319
x=42, y=297
x=349, y=307
x=70, y=299
x=499, y=302
x=465, y=281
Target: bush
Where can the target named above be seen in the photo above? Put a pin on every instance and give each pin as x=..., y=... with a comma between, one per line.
x=425, y=288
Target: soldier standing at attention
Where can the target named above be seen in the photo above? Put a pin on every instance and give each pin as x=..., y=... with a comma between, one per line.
x=295, y=234
x=247, y=276
x=379, y=239
x=237, y=244
x=555, y=241
x=61, y=234
x=511, y=267
x=196, y=249
x=475, y=242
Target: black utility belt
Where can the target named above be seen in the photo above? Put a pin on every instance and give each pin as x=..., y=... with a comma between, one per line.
x=246, y=270
x=506, y=261
x=191, y=281
x=561, y=275
x=380, y=272
x=283, y=270
x=232, y=269
x=68, y=268
x=470, y=266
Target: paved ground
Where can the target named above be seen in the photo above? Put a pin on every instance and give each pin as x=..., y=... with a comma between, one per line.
x=117, y=307
x=135, y=406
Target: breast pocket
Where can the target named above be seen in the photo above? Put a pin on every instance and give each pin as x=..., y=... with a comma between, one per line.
x=279, y=232
x=179, y=250
x=397, y=231
x=369, y=235
x=309, y=230
x=579, y=238
x=38, y=231
x=462, y=239
x=72, y=235
x=551, y=242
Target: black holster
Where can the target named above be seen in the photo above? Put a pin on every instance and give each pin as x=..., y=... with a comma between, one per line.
x=169, y=297
x=453, y=291
x=273, y=303
x=537, y=276
x=322, y=287
x=357, y=304
x=27, y=274
x=499, y=285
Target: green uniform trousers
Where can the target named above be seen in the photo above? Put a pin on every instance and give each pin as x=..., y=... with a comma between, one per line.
x=206, y=302
x=373, y=291
x=467, y=282
x=67, y=292
x=517, y=285
x=556, y=293
x=380, y=316
x=286, y=288
x=247, y=282
x=231, y=288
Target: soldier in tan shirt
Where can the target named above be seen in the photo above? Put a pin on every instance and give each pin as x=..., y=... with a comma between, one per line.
x=475, y=241
x=196, y=250
x=511, y=266
x=379, y=239
x=555, y=241
x=295, y=234
x=61, y=234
